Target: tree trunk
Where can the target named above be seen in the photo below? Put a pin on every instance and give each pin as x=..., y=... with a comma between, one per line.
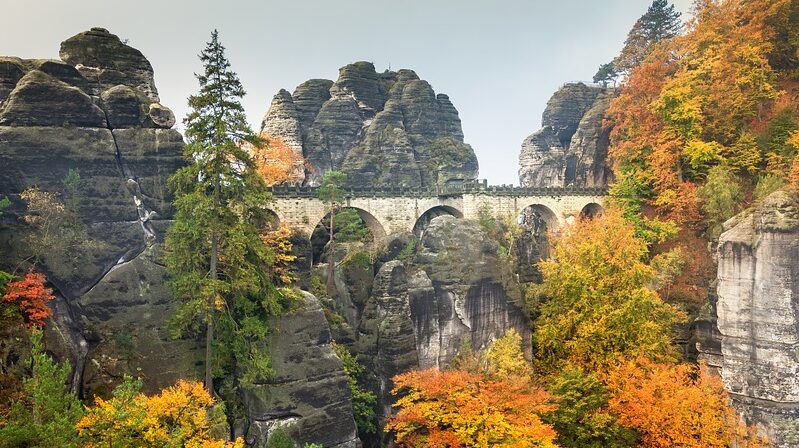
x=331, y=259
x=209, y=332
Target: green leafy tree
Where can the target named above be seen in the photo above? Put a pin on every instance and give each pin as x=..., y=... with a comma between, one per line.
x=72, y=183
x=279, y=438
x=582, y=419
x=768, y=184
x=48, y=414
x=217, y=262
x=363, y=402
x=660, y=22
x=331, y=193
x=720, y=197
x=607, y=73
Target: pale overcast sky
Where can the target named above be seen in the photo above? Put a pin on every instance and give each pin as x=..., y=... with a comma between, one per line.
x=498, y=60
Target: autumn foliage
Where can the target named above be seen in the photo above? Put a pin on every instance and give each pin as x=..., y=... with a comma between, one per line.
x=276, y=162
x=31, y=297
x=599, y=305
x=704, y=99
x=674, y=405
x=489, y=400
x=178, y=416
x=463, y=409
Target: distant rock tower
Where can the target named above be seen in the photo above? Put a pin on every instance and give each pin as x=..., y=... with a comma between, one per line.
x=572, y=146
x=385, y=128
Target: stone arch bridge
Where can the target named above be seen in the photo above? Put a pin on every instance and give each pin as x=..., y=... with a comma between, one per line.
x=387, y=210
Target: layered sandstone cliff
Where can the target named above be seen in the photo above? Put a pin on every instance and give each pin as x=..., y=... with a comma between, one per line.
x=571, y=147
x=758, y=315
x=380, y=128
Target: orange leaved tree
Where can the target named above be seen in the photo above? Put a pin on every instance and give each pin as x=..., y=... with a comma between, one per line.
x=276, y=162
x=462, y=409
x=675, y=405
x=32, y=297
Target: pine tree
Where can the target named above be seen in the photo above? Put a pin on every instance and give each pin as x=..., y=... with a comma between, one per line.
x=606, y=73
x=215, y=257
x=660, y=22
x=331, y=192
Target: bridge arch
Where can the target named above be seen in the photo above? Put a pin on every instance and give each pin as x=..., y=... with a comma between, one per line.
x=320, y=233
x=273, y=220
x=433, y=212
x=540, y=217
x=372, y=223
x=592, y=210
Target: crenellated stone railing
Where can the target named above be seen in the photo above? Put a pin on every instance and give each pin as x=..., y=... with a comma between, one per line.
x=471, y=187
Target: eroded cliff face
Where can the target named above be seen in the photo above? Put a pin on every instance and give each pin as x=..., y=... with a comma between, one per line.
x=309, y=394
x=417, y=305
x=380, y=128
x=758, y=315
x=571, y=147
x=96, y=112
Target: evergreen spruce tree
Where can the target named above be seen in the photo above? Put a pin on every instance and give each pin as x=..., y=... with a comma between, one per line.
x=216, y=260
x=660, y=22
x=47, y=415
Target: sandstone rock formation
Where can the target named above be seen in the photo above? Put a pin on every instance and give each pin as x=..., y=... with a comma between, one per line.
x=758, y=315
x=309, y=395
x=380, y=128
x=96, y=113
x=424, y=298
x=571, y=147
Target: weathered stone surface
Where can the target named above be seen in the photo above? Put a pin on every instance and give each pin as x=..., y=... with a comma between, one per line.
x=126, y=319
x=758, y=315
x=309, y=394
x=125, y=107
x=571, y=147
x=41, y=100
x=471, y=300
x=388, y=128
x=11, y=71
x=106, y=61
x=308, y=99
x=283, y=120
x=161, y=116
x=386, y=339
x=542, y=160
x=53, y=120
x=426, y=302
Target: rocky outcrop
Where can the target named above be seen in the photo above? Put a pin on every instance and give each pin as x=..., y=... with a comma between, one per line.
x=758, y=315
x=105, y=61
x=95, y=114
x=380, y=128
x=431, y=296
x=571, y=147
x=309, y=395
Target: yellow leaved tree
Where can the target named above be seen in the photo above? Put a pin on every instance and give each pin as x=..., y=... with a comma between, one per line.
x=176, y=417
